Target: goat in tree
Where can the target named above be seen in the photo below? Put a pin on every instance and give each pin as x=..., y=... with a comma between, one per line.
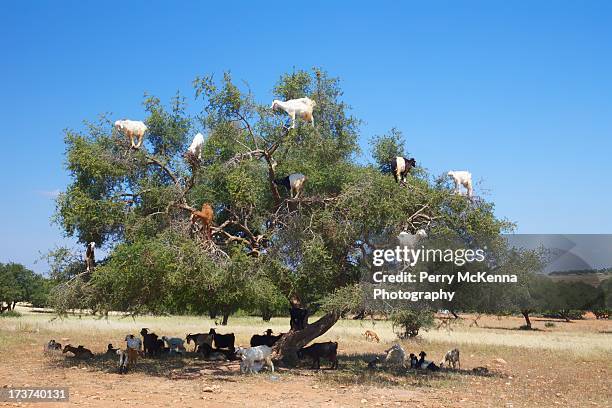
x=205, y=217
x=301, y=107
x=90, y=259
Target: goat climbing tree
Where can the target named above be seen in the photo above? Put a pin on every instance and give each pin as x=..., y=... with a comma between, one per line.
x=265, y=246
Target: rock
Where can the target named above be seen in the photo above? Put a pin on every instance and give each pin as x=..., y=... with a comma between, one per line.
x=500, y=361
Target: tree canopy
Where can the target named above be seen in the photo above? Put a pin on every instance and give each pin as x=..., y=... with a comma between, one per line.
x=267, y=247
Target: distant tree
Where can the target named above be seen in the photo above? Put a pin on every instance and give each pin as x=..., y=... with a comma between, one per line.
x=19, y=284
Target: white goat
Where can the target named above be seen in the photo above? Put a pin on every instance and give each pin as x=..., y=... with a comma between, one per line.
x=133, y=342
x=451, y=358
x=409, y=240
x=254, y=358
x=395, y=355
x=463, y=178
x=123, y=361
x=301, y=107
x=174, y=343
x=132, y=129
x=196, y=146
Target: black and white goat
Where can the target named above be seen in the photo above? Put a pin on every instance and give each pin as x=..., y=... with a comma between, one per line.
x=293, y=182
x=90, y=258
x=451, y=358
x=401, y=166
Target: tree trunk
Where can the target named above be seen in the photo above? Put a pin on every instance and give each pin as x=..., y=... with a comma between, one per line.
x=286, y=347
x=525, y=314
x=224, y=321
x=454, y=314
x=212, y=314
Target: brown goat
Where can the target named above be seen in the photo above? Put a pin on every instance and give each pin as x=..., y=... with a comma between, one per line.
x=205, y=217
x=79, y=352
x=371, y=336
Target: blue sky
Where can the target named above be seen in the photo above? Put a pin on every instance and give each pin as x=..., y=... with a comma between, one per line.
x=519, y=93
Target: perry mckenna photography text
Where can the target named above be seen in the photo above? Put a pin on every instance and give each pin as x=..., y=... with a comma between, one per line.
x=391, y=284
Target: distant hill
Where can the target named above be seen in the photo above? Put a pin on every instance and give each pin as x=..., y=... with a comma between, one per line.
x=592, y=277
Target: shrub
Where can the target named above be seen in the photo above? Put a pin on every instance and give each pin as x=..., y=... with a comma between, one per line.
x=10, y=313
x=407, y=323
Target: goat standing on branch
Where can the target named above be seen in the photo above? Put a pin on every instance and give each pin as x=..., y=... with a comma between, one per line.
x=195, y=149
x=301, y=107
x=205, y=217
x=463, y=178
x=90, y=258
x=293, y=182
x=132, y=129
x=401, y=166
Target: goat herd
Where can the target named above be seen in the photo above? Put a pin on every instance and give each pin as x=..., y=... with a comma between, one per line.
x=214, y=346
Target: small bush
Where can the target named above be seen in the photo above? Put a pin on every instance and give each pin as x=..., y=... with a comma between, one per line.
x=549, y=324
x=10, y=313
x=407, y=323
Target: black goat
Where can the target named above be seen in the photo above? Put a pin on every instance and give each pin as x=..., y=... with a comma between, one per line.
x=265, y=340
x=327, y=350
x=152, y=344
x=223, y=340
x=299, y=318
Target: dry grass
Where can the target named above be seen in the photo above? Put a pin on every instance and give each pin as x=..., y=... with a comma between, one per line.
x=544, y=367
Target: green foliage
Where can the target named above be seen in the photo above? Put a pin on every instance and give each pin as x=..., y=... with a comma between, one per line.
x=266, y=248
x=11, y=313
x=19, y=284
x=408, y=322
x=386, y=147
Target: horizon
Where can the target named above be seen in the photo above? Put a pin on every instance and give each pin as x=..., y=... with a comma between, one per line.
x=518, y=95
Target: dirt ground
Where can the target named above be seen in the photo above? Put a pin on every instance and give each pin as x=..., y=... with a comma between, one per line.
x=568, y=364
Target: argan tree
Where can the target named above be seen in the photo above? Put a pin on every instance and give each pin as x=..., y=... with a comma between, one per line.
x=266, y=247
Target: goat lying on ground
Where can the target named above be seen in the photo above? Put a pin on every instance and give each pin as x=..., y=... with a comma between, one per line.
x=424, y=364
x=395, y=355
x=301, y=107
x=200, y=339
x=414, y=361
x=223, y=340
x=371, y=336
x=205, y=217
x=53, y=345
x=401, y=166
x=132, y=129
x=79, y=352
x=293, y=182
x=451, y=358
x=327, y=350
x=250, y=356
x=463, y=178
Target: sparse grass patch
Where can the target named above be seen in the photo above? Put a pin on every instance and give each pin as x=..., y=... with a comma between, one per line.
x=11, y=313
